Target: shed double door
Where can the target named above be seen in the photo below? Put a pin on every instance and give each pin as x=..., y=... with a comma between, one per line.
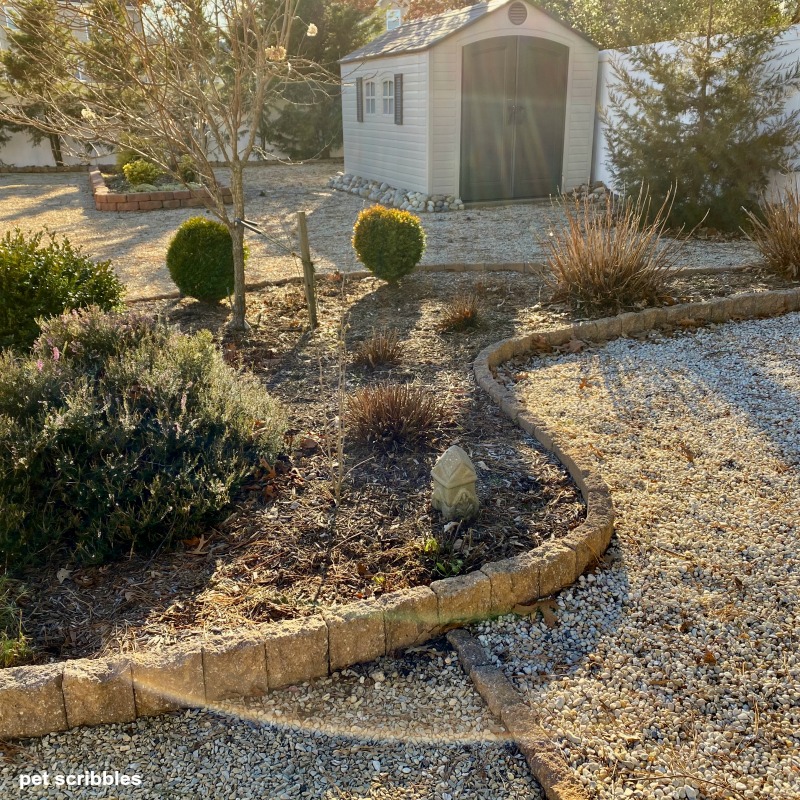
x=513, y=112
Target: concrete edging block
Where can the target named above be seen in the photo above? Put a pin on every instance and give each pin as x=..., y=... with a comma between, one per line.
x=32, y=701
x=98, y=692
x=168, y=681
x=462, y=599
x=356, y=633
x=411, y=617
x=235, y=666
x=557, y=567
x=297, y=651
x=512, y=581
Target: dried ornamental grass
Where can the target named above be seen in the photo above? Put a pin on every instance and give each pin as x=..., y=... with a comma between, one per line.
x=614, y=257
x=461, y=313
x=382, y=348
x=391, y=414
x=776, y=233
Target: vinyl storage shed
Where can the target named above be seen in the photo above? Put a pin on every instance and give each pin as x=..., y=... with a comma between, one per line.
x=495, y=101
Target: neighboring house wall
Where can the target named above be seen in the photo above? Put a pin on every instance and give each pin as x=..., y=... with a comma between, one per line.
x=445, y=94
x=785, y=55
x=377, y=148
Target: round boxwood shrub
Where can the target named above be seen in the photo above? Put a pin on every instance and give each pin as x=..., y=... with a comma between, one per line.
x=200, y=260
x=141, y=171
x=119, y=434
x=388, y=242
x=43, y=278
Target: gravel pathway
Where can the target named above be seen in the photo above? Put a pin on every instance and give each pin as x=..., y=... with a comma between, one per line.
x=137, y=242
x=405, y=729
x=674, y=671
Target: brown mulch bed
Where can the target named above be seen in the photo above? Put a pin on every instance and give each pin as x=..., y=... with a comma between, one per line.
x=285, y=546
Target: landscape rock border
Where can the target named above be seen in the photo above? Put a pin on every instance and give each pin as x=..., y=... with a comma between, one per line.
x=405, y=199
x=38, y=700
x=106, y=200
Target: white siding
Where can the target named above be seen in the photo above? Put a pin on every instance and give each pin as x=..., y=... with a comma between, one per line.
x=445, y=70
x=377, y=148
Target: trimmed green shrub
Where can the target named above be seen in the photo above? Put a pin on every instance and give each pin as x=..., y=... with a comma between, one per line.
x=119, y=434
x=200, y=260
x=40, y=280
x=388, y=242
x=141, y=171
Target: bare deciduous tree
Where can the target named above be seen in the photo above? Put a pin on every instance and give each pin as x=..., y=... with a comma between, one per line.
x=169, y=80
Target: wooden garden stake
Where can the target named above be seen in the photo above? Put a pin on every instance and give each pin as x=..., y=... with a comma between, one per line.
x=308, y=268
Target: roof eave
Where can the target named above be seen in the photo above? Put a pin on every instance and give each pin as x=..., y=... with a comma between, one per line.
x=349, y=59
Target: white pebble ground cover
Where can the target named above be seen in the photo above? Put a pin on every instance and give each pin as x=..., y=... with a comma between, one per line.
x=405, y=729
x=674, y=670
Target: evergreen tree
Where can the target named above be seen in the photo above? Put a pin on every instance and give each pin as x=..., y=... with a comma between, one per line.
x=623, y=23
x=707, y=118
x=32, y=41
x=310, y=123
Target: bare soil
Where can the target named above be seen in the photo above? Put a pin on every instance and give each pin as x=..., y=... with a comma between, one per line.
x=286, y=546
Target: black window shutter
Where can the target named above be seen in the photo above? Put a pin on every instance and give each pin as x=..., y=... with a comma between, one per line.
x=359, y=99
x=398, y=99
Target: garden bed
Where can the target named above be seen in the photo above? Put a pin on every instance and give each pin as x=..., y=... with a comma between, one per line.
x=107, y=200
x=284, y=548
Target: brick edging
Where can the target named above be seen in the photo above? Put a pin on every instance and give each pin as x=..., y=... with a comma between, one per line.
x=43, y=699
x=105, y=200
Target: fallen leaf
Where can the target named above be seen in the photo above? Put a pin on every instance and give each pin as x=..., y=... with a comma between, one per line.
x=574, y=345
x=544, y=607
x=709, y=658
x=63, y=574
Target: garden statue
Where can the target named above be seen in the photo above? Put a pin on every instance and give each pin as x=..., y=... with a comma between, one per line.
x=454, y=480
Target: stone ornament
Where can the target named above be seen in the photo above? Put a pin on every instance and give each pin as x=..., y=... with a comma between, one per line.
x=454, y=478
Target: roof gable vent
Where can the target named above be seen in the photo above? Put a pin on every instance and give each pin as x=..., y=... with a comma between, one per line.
x=517, y=13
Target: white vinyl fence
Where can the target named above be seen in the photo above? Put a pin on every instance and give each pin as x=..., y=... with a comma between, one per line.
x=786, y=54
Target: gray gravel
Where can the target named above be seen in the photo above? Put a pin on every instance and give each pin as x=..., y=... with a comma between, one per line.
x=674, y=671
x=406, y=729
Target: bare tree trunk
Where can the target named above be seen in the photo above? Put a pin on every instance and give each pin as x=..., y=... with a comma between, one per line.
x=237, y=236
x=55, y=149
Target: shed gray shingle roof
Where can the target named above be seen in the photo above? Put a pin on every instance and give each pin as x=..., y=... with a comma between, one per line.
x=421, y=34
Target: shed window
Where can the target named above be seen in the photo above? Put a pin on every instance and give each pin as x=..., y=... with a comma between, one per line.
x=388, y=97
x=369, y=103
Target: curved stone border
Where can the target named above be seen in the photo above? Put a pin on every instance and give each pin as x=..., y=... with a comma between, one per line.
x=105, y=200
x=42, y=699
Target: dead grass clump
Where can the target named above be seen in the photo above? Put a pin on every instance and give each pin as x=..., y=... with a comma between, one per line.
x=614, y=257
x=382, y=348
x=389, y=415
x=462, y=313
x=776, y=233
